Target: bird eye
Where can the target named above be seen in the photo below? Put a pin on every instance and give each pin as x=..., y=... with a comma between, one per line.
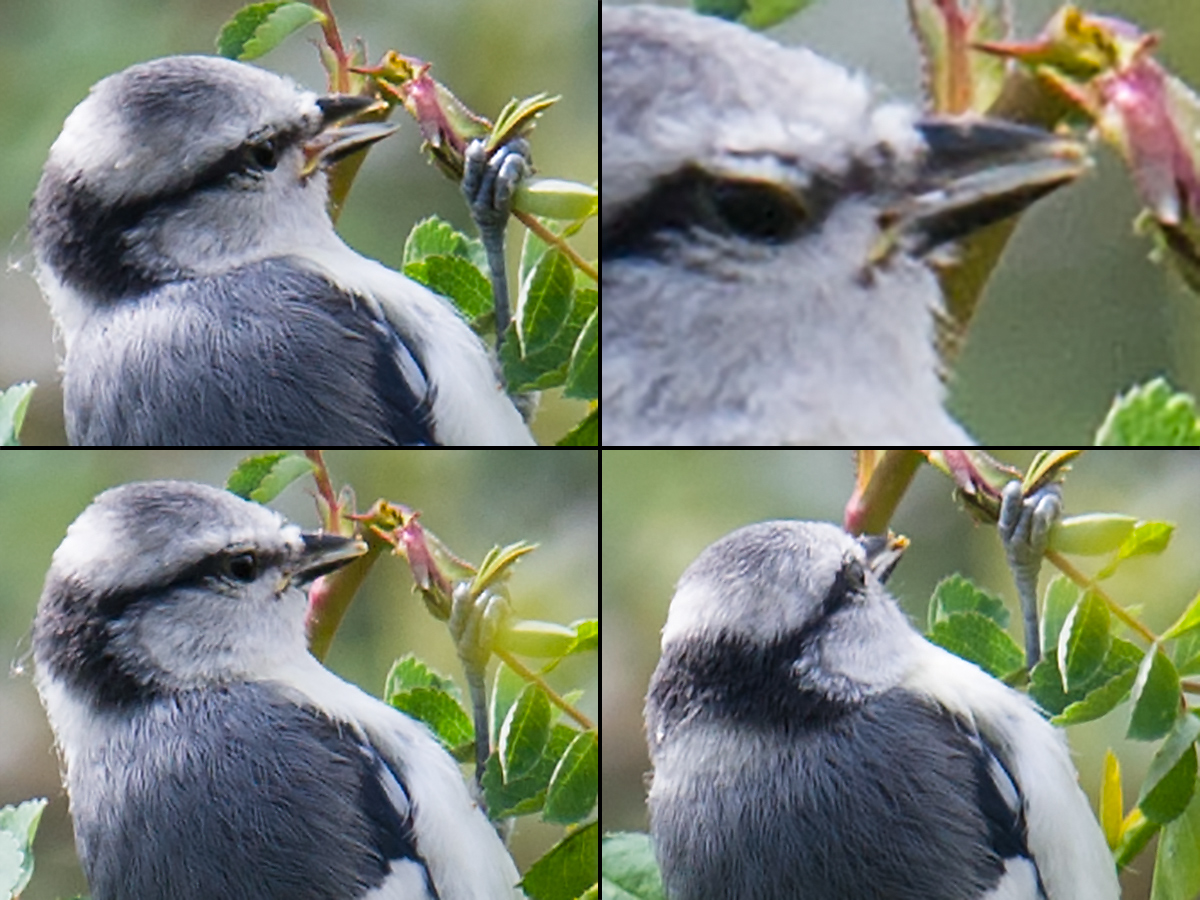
x=757, y=211
x=263, y=154
x=242, y=566
x=854, y=574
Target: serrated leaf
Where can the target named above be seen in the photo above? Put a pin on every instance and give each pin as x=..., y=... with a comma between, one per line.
x=14, y=403
x=1151, y=415
x=568, y=869
x=573, y=786
x=585, y=434
x=1116, y=675
x=457, y=279
x=1084, y=641
x=1060, y=598
x=527, y=794
x=1146, y=539
x=546, y=298
x=630, y=871
x=1171, y=778
x=437, y=237
x=1177, y=864
x=1156, y=703
x=957, y=594
x=263, y=478
x=442, y=713
x=524, y=732
x=583, y=375
x=408, y=673
x=978, y=639
x=1187, y=621
x=18, y=825
x=261, y=27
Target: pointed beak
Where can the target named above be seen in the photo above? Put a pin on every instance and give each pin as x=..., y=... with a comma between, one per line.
x=336, y=141
x=323, y=553
x=979, y=172
x=883, y=552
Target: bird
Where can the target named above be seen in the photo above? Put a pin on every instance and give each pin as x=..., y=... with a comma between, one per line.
x=767, y=235
x=206, y=752
x=807, y=742
x=180, y=235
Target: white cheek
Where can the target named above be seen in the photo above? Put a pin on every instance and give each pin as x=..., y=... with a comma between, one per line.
x=199, y=635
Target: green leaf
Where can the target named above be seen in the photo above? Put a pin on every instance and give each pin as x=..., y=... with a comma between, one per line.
x=587, y=636
x=978, y=639
x=1188, y=621
x=518, y=118
x=1084, y=641
x=757, y=14
x=553, y=198
x=956, y=594
x=408, y=673
x=437, y=237
x=18, y=825
x=1098, y=695
x=261, y=27
x=1091, y=535
x=457, y=279
x=548, y=367
x=1177, y=864
x=568, y=869
x=449, y=722
x=1156, y=703
x=630, y=869
x=1061, y=596
x=546, y=299
x=585, y=434
x=573, y=786
x=528, y=637
x=506, y=688
x=1171, y=779
x=524, y=795
x=263, y=478
x=583, y=375
x=14, y=403
x=1146, y=539
x=524, y=733
x=1151, y=415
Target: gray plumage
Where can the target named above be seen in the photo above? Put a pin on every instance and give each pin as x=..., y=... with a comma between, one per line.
x=751, y=296
x=206, y=753
x=202, y=295
x=808, y=743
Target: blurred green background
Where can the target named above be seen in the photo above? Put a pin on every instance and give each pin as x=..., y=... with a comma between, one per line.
x=486, y=51
x=1076, y=312
x=470, y=499
x=662, y=507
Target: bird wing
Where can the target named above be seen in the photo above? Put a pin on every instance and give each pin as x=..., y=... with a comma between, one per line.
x=270, y=353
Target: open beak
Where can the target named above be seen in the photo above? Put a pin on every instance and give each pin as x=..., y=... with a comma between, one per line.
x=323, y=553
x=977, y=172
x=336, y=141
x=883, y=552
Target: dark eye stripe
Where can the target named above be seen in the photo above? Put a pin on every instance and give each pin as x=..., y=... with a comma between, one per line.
x=694, y=199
